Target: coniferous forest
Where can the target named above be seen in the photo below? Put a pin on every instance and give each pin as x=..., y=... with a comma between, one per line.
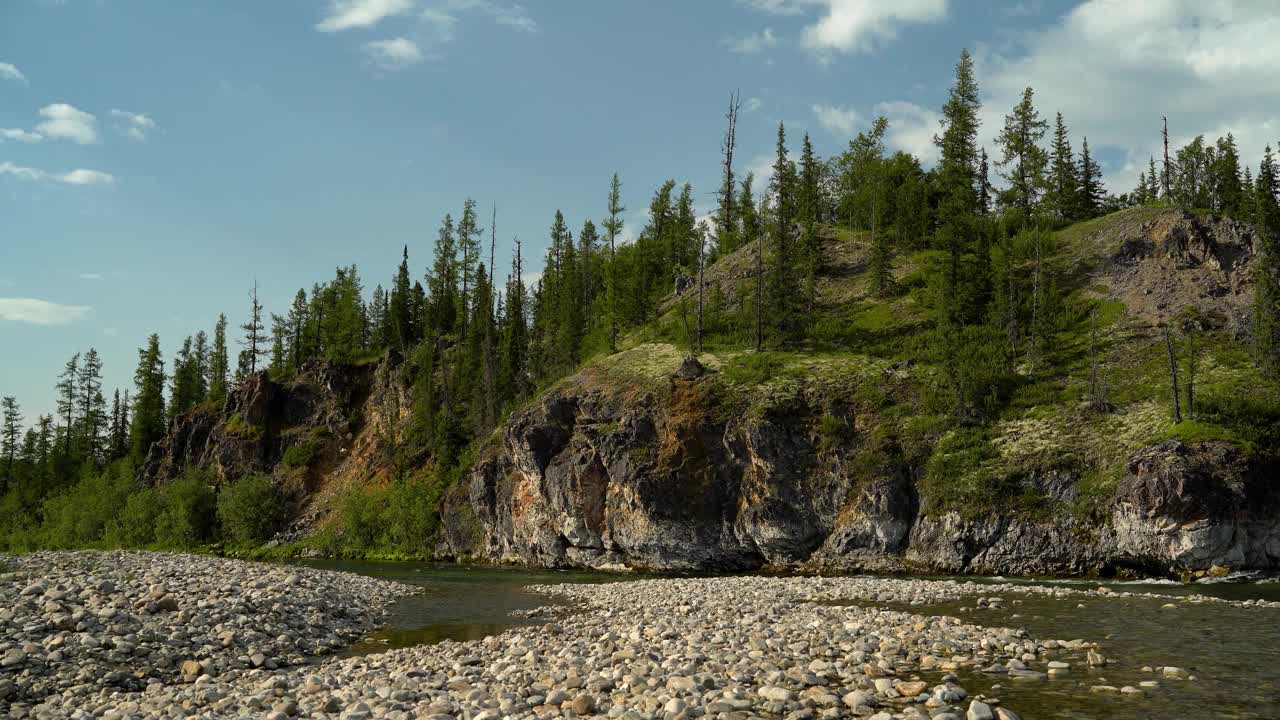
x=976, y=239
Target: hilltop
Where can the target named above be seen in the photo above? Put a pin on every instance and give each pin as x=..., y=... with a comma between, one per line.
x=840, y=454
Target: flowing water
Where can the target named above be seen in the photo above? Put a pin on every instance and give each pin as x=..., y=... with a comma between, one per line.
x=1233, y=652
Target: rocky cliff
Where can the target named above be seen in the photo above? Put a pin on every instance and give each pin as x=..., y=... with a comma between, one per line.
x=593, y=476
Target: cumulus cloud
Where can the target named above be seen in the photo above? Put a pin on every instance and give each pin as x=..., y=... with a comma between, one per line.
x=836, y=120
x=63, y=121
x=513, y=16
x=40, y=312
x=752, y=43
x=1210, y=67
x=847, y=26
x=347, y=14
x=394, y=53
x=911, y=129
x=19, y=135
x=9, y=71
x=79, y=176
x=133, y=125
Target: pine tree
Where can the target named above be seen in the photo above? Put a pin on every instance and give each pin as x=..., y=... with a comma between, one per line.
x=513, y=367
x=148, y=404
x=118, y=442
x=218, y=363
x=200, y=367
x=588, y=260
x=254, y=341
x=1061, y=197
x=879, y=263
x=1023, y=163
x=750, y=233
x=984, y=183
x=612, y=227
x=1153, y=185
x=279, y=366
x=377, y=321
x=400, y=306
x=1091, y=191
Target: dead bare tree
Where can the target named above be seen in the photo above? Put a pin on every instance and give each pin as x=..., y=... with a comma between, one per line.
x=725, y=218
x=1166, y=174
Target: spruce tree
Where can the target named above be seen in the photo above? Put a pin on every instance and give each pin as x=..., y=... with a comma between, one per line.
x=726, y=218
x=254, y=341
x=219, y=364
x=1228, y=187
x=200, y=367
x=68, y=393
x=957, y=208
x=1091, y=191
x=469, y=232
x=443, y=281
x=92, y=407
x=1061, y=197
x=513, y=366
x=782, y=282
x=807, y=213
x=1024, y=161
x=400, y=307
x=1266, y=309
x=10, y=429
x=612, y=227
x=148, y=404
x=1153, y=184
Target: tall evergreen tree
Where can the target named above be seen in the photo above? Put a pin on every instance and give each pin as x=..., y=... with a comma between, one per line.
x=469, y=232
x=1062, y=191
x=219, y=366
x=1023, y=162
x=92, y=407
x=957, y=207
x=68, y=393
x=118, y=442
x=1091, y=191
x=255, y=339
x=443, y=280
x=513, y=367
x=612, y=227
x=807, y=202
x=10, y=429
x=1228, y=188
x=782, y=283
x=400, y=306
x=1266, y=309
x=148, y=404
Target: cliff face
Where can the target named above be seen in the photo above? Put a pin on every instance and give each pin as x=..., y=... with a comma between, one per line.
x=593, y=479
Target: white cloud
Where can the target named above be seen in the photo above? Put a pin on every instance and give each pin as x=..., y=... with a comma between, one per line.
x=133, y=125
x=846, y=26
x=911, y=129
x=836, y=120
x=69, y=123
x=753, y=104
x=1210, y=67
x=858, y=25
x=90, y=276
x=79, y=176
x=19, y=135
x=513, y=16
x=752, y=43
x=40, y=312
x=394, y=53
x=347, y=14
x=9, y=71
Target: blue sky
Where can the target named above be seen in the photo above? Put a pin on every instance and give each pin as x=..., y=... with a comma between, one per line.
x=156, y=157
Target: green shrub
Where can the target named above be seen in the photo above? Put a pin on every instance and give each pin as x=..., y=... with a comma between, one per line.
x=187, y=519
x=249, y=509
x=237, y=425
x=359, y=515
x=754, y=368
x=299, y=455
x=136, y=525
x=78, y=516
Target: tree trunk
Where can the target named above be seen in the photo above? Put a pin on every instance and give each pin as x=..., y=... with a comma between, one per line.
x=1173, y=376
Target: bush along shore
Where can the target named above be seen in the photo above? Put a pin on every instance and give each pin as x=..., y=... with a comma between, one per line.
x=118, y=635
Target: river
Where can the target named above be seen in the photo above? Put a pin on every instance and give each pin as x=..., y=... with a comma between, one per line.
x=1233, y=652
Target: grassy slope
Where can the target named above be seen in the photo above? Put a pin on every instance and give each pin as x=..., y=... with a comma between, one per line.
x=1044, y=427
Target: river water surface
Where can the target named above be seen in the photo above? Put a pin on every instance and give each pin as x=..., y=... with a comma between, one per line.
x=1233, y=652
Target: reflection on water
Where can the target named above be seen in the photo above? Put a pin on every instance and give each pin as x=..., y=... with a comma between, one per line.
x=1234, y=652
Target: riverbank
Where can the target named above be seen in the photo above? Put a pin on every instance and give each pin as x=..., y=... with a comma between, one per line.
x=86, y=624
x=727, y=647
